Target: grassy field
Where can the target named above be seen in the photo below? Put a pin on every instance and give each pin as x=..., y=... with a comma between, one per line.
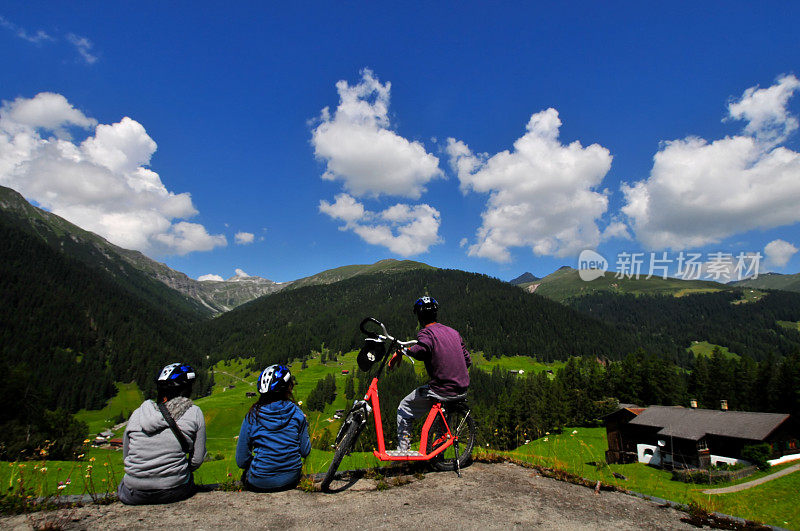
x=750, y=295
x=704, y=348
x=128, y=398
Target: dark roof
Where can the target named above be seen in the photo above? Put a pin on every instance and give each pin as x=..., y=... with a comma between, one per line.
x=694, y=424
x=623, y=409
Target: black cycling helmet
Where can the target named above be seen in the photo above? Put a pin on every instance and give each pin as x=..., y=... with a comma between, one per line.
x=175, y=375
x=274, y=378
x=426, y=305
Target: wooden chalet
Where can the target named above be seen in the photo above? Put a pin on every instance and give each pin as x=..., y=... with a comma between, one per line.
x=677, y=437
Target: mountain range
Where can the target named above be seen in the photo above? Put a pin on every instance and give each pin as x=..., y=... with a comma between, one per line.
x=136, y=271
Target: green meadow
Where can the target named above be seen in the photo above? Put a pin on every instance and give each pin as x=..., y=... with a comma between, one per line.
x=128, y=398
x=704, y=348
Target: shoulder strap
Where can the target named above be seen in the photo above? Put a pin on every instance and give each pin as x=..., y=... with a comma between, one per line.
x=174, y=427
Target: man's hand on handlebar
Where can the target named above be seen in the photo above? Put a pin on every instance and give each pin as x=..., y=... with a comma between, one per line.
x=396, y=358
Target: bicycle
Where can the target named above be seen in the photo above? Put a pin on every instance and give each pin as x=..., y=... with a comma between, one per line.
x=439, y=444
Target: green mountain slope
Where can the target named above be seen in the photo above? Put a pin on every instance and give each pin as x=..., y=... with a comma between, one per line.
x=139, y=274
x=494, y=317
x=565, y=283
x=73, y=329
x=755, y=329
x=772, y=281
x=343, y=273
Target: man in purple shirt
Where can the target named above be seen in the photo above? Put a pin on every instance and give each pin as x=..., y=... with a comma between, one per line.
x=446, y=360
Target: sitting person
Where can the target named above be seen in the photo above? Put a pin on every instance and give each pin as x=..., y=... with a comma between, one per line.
x=447, y=361
x=157, y=468
x=274, y=437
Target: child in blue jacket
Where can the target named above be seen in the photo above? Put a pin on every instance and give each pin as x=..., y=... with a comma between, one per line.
x=274, y=437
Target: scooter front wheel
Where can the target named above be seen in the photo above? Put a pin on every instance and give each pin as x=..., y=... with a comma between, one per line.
x=344, y=447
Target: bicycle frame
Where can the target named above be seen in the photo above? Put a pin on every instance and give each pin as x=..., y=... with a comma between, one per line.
x=436, y=410
x=371, y=398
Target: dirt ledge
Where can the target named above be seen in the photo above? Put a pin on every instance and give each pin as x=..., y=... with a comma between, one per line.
x=486, y=496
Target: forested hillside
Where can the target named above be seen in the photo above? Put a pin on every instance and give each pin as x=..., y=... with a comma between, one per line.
x=750, y=328
x=75, y=330
x=493, y=316
x=97, y=254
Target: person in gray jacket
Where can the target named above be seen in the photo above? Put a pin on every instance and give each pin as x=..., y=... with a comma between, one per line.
x=157, y=467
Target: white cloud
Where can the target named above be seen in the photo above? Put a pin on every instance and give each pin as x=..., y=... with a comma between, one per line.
x=83, y=46
x=101, y=184
x=765, y=110
x=215, y=278
x=615, y=229
x=779, y=252
x=699, y=193
x=361, y=150
x=244, y=238
x=46, y=110
x=35, y=38
x=403, y=229
x=542, y=194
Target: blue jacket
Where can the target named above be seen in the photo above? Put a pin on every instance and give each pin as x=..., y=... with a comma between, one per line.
x=272, y=442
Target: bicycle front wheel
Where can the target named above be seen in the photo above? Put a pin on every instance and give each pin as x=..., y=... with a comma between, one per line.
x=462, y=426
x=344, y=447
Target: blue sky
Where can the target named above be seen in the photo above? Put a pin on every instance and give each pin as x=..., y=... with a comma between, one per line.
x=171, y=129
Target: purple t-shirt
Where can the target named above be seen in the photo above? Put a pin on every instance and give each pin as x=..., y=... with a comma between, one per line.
x=446, y=359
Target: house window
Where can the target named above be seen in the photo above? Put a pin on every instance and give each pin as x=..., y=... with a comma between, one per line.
x=702, y=444
x=648, y=451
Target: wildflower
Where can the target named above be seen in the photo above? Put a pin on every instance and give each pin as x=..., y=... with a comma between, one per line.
x=105, y=464
x=92, y=459
x=21, y=465
x=574, y=432
x=85, y=441
x=80, y=456
x=60, y=487
x=89, y=468
x=68, y=481
x=547, y=433
x=44, y=470
x=545, y=439
x=103, y=480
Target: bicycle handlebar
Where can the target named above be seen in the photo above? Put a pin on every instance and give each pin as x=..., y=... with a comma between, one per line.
x=385, y=335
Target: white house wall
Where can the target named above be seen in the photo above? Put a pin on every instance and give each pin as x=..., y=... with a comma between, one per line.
x=654, y=459
x=718, y=459
x=784, y=459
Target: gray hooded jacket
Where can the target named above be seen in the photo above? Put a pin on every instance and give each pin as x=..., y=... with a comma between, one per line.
x=152, y=454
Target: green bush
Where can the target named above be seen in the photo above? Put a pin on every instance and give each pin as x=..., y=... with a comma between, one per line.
x=758, y=454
